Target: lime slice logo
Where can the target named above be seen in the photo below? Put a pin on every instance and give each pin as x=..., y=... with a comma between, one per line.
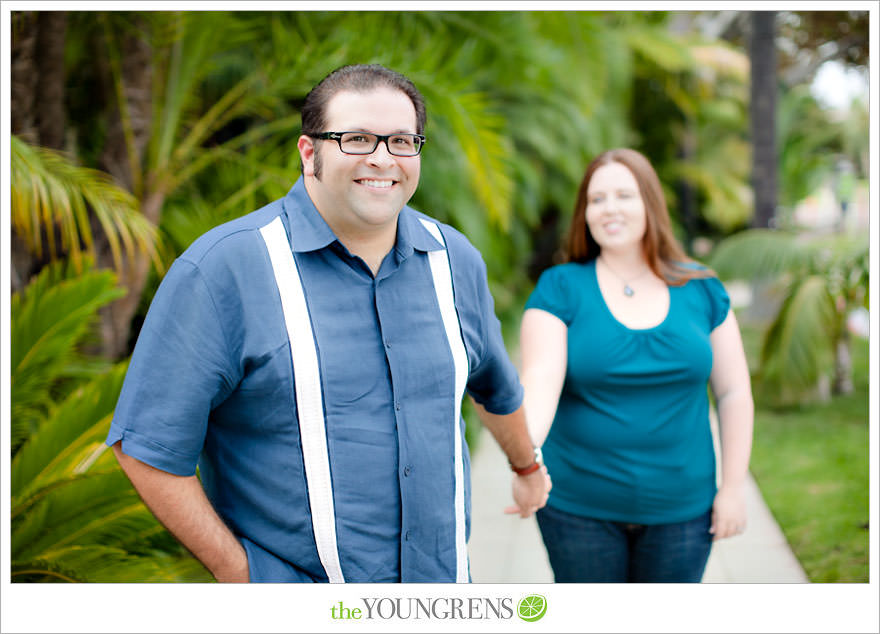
x=532, y=607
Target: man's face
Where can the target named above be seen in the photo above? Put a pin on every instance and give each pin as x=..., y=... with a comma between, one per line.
x=362, y=193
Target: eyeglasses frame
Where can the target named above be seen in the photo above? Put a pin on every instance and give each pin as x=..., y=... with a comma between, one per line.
x=337, y=136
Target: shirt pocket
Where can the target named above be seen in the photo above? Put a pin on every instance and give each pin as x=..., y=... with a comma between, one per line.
x=264, y=399
x=265, y=567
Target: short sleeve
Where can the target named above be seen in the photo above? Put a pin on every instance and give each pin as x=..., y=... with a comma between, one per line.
x=719, y=301
x=553, y=294
x=179, y=371
x=493, y=382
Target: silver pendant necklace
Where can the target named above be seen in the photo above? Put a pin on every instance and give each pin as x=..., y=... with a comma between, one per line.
x=627, y=289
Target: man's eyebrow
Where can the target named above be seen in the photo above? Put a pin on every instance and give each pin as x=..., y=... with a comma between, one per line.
x=363, y=129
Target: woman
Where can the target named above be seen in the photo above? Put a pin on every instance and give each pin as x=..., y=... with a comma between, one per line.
x=618, y=345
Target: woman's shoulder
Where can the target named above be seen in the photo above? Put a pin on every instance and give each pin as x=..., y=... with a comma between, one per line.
x=565, y=278
x=691, y=265
x=707, y=291
x=560, y=289
x=694, y=274
x=568, y=270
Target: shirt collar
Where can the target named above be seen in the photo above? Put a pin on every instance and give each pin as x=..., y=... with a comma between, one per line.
x=412, y=235
x=308, y=228
x=311, y=232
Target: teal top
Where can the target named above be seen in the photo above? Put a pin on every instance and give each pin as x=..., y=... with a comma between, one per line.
x=631, y=440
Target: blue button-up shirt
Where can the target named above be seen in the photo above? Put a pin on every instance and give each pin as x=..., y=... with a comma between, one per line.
x=211, y=384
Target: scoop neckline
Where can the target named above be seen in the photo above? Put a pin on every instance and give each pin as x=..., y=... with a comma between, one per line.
x=608, y=311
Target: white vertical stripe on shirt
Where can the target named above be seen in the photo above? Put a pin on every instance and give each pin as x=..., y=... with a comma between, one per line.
x=442, y=273
x=309, y=402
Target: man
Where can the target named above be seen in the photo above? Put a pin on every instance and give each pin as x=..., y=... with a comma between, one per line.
x=311, y=358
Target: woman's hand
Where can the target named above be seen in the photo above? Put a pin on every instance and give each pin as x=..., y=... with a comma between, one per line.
x=530, y=492
x=728, y=512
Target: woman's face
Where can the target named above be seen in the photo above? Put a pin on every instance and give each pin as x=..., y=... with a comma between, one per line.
x=615, y=211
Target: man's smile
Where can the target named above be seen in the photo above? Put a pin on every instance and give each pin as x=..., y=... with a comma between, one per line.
x=376, y=183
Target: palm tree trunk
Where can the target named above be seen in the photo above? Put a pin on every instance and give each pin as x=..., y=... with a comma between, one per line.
x=843, y=382
x=49, y=106
x=136, y=69
x=123, y=158
x=762, y=108
x=116, y=319
x=37, y=105
x=23, y=80
x=24, y=74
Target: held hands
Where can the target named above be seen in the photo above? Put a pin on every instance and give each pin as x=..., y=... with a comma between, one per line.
x=530, y=492
x=728, y=513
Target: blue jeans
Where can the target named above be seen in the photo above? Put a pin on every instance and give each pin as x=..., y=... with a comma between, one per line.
x=585, y=550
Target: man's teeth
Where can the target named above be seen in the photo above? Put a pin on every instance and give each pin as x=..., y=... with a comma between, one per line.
x=374, y=183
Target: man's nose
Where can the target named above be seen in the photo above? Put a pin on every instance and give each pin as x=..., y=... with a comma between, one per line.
x=381, y=157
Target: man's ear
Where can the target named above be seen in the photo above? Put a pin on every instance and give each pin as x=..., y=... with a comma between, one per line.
x=306, y=146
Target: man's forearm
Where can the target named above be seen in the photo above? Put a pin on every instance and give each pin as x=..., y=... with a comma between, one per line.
x=181, y=505
x=530, y=491
x=511, y=434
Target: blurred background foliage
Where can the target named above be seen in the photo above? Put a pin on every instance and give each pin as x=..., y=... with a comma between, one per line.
x=135, y=132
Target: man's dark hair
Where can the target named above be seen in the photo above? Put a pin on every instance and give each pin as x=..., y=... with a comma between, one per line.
x=357, y=78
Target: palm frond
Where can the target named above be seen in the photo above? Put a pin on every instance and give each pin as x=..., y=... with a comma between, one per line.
x=69, y=438
x=98, y=523
x=759, y=253
x=61, y=511
x=92, y=563
x=484, y=148
x=260, y=135
x=49, y=192
x=797, y=347
x=717, y=172
x=805, y=136
x=49, y=319
x=189, y=60
x=840, y=249
x=721, y=59
x=659, y=47
x=182, y=569
x=57, y=528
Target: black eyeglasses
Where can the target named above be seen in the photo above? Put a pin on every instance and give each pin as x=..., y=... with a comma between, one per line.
x=366, y=142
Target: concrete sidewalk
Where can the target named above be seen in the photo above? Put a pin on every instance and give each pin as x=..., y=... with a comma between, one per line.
x=508, y=549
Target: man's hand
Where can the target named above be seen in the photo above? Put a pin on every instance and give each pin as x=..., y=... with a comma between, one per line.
x=237, y=572
x=179, y=502
x=530, y=492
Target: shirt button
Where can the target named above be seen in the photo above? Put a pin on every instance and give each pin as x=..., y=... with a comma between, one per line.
x=407, y=535
x=388, y=344
x=397, y=405
x=406, y=470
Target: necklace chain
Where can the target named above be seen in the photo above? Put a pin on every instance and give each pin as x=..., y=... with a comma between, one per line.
x=627, y=289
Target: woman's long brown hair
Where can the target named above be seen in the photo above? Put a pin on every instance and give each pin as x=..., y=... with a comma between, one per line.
x=662, y=251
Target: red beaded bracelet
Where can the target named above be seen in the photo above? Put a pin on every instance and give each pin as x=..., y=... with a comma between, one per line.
x=539, y=459
x=527, y=470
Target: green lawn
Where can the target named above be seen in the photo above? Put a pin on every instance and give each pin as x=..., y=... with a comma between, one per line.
x=811, y=464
